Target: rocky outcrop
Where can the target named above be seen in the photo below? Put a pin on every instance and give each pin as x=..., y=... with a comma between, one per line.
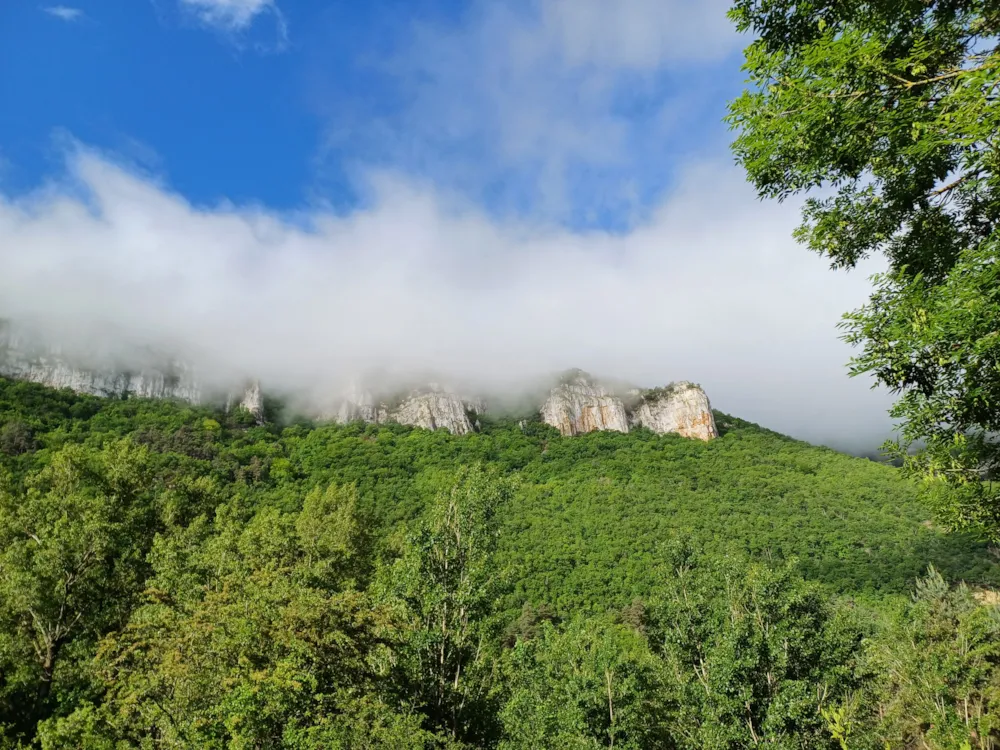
x=682, y=408
x=358, y=405
x=476, y=405
x=57, y=374
x=47, y=365
x=434, y=410
x=251, y=399
x=579, y=404
x=431, y=407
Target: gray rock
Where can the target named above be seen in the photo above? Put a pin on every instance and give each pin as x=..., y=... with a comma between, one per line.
x=251, y=399
x=48, y=366
x=579, y=405
x=431, y=407
x=357, y=404
x=681, y=408
x=433, y=410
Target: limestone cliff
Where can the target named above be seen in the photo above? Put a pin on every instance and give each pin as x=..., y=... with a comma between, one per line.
x=357, y=404
x=431, y=407
x=579, y=404
x=251, y=399
x=47, y=365
x=432, y=410
x=682, y=408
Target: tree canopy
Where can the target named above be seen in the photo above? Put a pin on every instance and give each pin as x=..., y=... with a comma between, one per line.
x=176, y=577
x=887, y=112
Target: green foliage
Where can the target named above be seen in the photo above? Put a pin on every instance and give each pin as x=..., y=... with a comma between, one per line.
x=753, y=654
x=246, y=638
x=16, y=438
x=893, y=107
x=935, y=674
x=173, y=577
x=72, y=550
x=447, y=584
x=331, y=535
x=944, y=336
x=589, y=684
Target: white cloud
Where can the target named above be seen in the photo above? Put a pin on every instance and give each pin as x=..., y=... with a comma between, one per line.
x=637, y=33
x=564, y=103
x=710, y=288
x=235, y=16
x=64, y=12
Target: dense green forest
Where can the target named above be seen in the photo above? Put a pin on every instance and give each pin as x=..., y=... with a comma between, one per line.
x=172, y=576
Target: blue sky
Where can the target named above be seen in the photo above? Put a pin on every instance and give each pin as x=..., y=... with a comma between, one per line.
x=301, y=191
x=527, y=108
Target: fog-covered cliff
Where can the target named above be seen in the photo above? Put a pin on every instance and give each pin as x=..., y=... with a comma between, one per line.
x=580, y=404
x=431, y=406
x=24, y=358
x=577, y=403
x=682, y=408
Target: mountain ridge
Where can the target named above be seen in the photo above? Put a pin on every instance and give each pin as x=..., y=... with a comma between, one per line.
x=575, y=402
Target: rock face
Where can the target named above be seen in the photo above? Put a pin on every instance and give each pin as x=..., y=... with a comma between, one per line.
x=57, y=374
x=433, y=410
x=431, y=407
x=47, y=366
x=251, y=399
x=358, y=405
x=681, y=408
x=578, y=405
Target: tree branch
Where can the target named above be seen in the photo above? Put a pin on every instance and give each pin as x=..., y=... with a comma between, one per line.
x=955, y=183
x=943, y=77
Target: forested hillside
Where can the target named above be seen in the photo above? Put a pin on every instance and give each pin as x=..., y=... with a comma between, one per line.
x=175, y=577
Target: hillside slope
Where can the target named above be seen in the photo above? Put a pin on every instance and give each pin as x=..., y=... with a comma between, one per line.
x=211, y=582
x=592, y=511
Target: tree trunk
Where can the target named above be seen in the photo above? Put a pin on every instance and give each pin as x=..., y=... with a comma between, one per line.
x=48, y=668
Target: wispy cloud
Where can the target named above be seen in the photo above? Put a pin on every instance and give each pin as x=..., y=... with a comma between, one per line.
x=236, y=16
x=64, y=12
x=564, y=106
x=709, y=288
x=636, y=34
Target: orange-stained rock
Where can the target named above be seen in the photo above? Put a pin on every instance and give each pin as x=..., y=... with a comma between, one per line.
x=580, y=405
x=682, y=408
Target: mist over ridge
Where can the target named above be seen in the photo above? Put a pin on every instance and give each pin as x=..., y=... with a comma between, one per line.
x=709, y=288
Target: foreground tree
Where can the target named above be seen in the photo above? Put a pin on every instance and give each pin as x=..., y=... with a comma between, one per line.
x=932, y=676
x=753, y=655
x=446, y=584
x=593, y=684
x=891, y=107
x=252, y=635
x=72, y=548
